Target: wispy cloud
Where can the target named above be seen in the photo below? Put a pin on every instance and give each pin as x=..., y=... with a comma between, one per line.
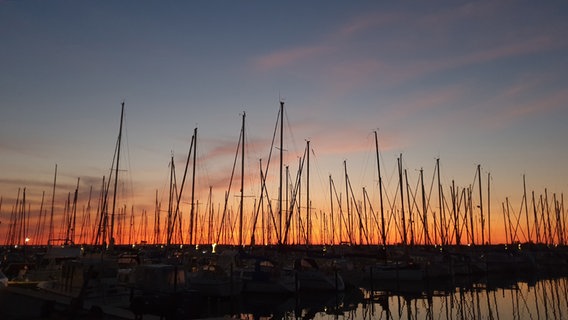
x=366, y=22
x=290, y=56
x=365, y=47
x=511, y=49
x=532, y=94
x=537, y=106
x=346, y=77
x=26, y=183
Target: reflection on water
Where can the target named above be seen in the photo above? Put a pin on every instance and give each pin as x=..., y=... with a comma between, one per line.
x=497, y=297
x=486, y=299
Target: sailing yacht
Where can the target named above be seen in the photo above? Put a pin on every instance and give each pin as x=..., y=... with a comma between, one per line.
x=262, y=275
x=314, y=278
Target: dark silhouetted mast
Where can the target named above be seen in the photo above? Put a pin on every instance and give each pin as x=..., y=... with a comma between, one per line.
x=308, y=219
x=489, y=205
x=481, y=206
x=111, y=235
x=50, y=236
x=383, y=231
x=529, y=237
x=404, y=237
x=192, y=214
x=442, y=220
x=281, y=169
x=424, y=209
x=242, y=182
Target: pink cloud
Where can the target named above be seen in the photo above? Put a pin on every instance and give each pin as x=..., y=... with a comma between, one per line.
x=518, y=100
x=280, y=59
x=426, y=101
x=544, y=105
x=526, y=46
x=353, y=74
x=473, y=10
x=353, y=138
x=396, y=75
x=441, y=23
x=368, y=21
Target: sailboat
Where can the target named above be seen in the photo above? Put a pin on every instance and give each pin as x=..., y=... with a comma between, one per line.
x=314, y=278
x=92, y=278
x=214, y=277
x=263, y=275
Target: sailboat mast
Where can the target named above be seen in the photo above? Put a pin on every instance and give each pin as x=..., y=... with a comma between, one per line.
x=331, y=211
x=210, y=215
x=41, y=221
x=481, y=206
x=424, y=209
x=74, y=217
x=281, y=167
x=383, y=231
x=308, y=219
x=111, y=235
x=442, y=238
x=455, y=212
x=526, y=209
x=192, y=214
x=349, y=223
x=404, y=236
x=23, y=231
x=410, y=215
x=157, y=220
x=170, y=221
x=50, y=236
x=242, y=182
x=536, y=225
x=489, y=205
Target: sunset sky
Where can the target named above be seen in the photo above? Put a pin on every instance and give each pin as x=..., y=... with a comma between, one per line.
x=467, y=82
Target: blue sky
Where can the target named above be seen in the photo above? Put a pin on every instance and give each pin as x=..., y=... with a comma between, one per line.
x=469, y=82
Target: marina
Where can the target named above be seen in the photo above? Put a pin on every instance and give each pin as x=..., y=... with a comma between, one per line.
x=420, y=174
x=407, y=259
x=94, y=287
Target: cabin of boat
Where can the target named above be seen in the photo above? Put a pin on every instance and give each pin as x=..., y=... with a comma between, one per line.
x=265, y=276
x=87, y=278
x=314, y=278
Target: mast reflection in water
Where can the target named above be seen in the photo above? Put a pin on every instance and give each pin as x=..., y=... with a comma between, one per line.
x=497, y=297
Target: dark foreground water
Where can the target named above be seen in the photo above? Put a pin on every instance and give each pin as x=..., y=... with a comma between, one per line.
x=496, y=297
x=493, y=297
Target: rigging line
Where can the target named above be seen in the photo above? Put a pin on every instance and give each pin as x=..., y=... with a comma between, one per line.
x=323, y=184
x=230, y=184
x=128, y=158
x=525, y=303
x=462, y=199
x=394, y=212
x=370, y=204
x=390, y=206
x=263, y=188
x=414, y=204
x=291, y=133
x=269, y=203
x=277, y=229
x=342, y=215
x=295, y=189
x=369, y=160
x=361, y=225
x=431, y=189
x=179, y=197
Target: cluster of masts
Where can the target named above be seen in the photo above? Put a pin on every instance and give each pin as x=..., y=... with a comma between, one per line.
x=412, y=215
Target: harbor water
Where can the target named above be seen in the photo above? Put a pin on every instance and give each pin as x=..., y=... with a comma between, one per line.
x=499, y=297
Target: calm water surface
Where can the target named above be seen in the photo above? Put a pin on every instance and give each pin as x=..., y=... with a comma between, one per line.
x=497, y=297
